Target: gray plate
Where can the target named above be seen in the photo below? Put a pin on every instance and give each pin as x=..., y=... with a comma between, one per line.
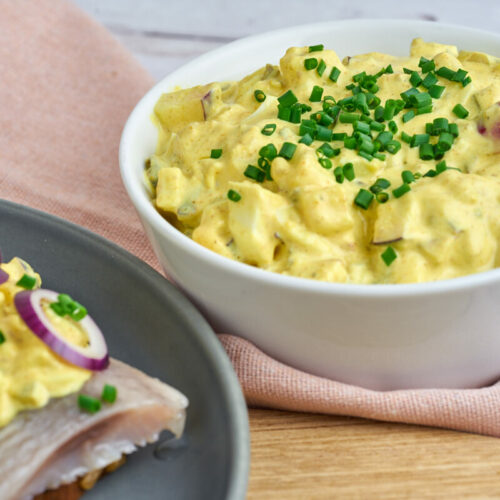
x=151, y=325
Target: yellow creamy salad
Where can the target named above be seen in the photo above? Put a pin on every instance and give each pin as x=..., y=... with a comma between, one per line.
x=370, y=169
x=30, y=372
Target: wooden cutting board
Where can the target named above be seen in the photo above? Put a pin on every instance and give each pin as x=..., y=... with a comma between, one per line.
x=309, y=457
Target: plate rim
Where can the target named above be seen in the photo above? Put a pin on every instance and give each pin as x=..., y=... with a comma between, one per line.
x=203, y=332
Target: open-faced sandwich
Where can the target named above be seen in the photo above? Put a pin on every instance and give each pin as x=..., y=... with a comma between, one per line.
x=67, y=410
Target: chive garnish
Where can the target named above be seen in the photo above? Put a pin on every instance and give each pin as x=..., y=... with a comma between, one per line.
x=408, y=116
x=426, y=152
x=339, y=174
x=388, y=256
x=259, y=95
x=325, y=162
x=316, y=94
x=268, y=151
x=109, y=394
x=363, y=198
x=288, y=98
x=268, y=129
x=419, y=139
x=252, y=172
x=334, y=74
x=310, y=63
x=407, y=176
x=287, y=150
x=321, y=68
x=26, y=281
x=216, y=153
x=2, y=337
x=233, y=195
x=316, y=48
x=306, y=139
x=460, y=111
x=88, y=403
x=401, y=190
x=382, y=197
x=436, y=91
x=348, y=171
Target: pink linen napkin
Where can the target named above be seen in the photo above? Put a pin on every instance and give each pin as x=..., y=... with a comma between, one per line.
x=67, y=88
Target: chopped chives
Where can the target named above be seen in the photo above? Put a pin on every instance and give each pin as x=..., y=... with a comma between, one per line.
x=379, y=156
x=436, y=91
x=259, y=95
x=327, y=150
x=284, y=113
x=407, y=176
x=466, y=81
x=426, y=152
x=408, y=71
x=407, y=94
x=441, y=167
x=393, y=147
x=393, y=127
x=415, y=79
x=424, y=109
x=306, y=139
x=268, y=129
x=323, y=133
x=426, y=65
x=26, y=281
x=405, y=137
x=408, y=116
x=287, y=150
x=384, y=137
x=325, y=163
x=365, y=155
x=379, y=113
x=288, y=98
x=382, y=197
x=363, y=127
x=350, y=142
x=321, y=67
x=445, y=72
x=439, y=125
x=348, y=171
x=419, y=139
x=445, y=141
x=339, y=136
x=460, y=111
x=389, y=110
x=430, y=173
x=268, y=151
x=420, y=100
x=2, y=337
x=252, y=172
x=233, y=195
x=372, y=100
x=339, y=174
x=377, y=126
x=216, y=153
x=401, y=190
x=345, y=117
x=334, y=74
x=389, y=255
x=389, y=69
x=310, y=63
x=429, y=80
x=109, y=393
x=459, y=75
x=316, y=48
x=383, y=183
x=316, y=94
x=363, y=198
x=88, y=403
x=453, y=129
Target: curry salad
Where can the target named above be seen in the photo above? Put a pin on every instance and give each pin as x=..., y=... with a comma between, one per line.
x=370, y=169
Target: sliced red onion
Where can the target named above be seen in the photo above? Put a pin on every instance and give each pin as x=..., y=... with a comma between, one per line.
x=93, y=357
x=3, y=276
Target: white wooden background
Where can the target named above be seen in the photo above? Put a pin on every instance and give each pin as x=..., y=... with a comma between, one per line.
x=164, y=34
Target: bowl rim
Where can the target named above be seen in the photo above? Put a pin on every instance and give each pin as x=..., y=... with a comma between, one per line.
x=146, y=210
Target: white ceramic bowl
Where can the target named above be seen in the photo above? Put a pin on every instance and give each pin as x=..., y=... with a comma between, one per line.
x=440, y=334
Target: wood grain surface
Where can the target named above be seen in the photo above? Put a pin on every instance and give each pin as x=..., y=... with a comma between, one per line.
x=312, y=457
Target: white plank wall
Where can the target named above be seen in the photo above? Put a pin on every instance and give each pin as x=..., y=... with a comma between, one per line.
x=164, y=34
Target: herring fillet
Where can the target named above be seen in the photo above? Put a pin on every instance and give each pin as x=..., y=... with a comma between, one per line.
x=43, y=449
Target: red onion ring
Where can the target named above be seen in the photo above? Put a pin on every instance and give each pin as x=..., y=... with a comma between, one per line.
x=93, y=357
x=3, y=276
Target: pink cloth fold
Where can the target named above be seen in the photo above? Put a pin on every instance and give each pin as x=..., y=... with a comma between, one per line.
x=67, y=89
